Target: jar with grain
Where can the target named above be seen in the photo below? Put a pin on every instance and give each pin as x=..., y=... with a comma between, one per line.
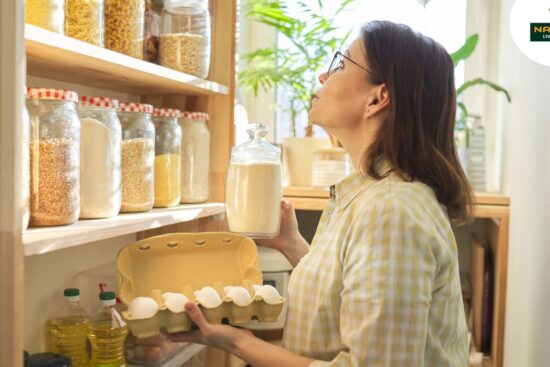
x=100, y=178
x=254, y=186
x=47, y=14
x=124, y=21
x=55, y=156
x=185, y=37
x=138, y=156
x=167, y=157
x=25, y=165
x=195, y=157
x=84, y=20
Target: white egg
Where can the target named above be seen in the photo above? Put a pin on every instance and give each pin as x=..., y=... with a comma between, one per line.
x=143, y=308
x=256, y=287
x=175, y=302
x=269, y=293
x=166, y=294
x=208, y=297
x=240, y=296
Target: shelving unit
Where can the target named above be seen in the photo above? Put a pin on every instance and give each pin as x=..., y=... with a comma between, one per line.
x=493, y=210
x=61, y=59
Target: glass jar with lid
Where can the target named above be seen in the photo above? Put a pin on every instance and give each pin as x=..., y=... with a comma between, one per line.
x=138, y=156
x=254, y=186
x=84, y=20
x=55, y=156
x=185, y=36
x=124, y=21
x=100, y=194
x=195, y=157
x=167, y=157
x=329, y=166
x=47, y=14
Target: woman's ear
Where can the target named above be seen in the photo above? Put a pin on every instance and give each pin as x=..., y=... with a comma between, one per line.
x=378, y=102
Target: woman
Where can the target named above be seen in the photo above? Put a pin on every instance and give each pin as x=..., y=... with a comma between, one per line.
x=379, y=285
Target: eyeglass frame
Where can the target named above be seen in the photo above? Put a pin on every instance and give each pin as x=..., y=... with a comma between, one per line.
x=338, y=53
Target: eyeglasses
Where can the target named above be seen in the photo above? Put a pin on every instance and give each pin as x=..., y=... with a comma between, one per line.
x=337, y=63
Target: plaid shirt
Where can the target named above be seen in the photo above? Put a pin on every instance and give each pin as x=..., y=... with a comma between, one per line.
x=380, y=283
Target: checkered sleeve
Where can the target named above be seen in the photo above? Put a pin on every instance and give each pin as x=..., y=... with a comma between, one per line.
x=388, y=269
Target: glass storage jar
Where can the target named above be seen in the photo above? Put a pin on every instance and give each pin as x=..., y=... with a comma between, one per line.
x=84, y=20
x=25, y=166
x=151, y=31
x=47, y=14
x=185, y=36
x=100, y=195
x=124, y=21
x=195, y=157
x=167, y=157
x=329, y=166
x=55, y=156
x=138, y=156
x=254, y=186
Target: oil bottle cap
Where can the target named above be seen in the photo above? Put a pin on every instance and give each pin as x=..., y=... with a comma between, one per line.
x=71, y=292
x=107, y=296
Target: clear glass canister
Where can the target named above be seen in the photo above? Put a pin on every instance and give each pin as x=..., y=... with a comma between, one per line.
x=124, y=20
x=100, y=194
x=254, y=186
x=47, y=14
x=25, y=165
x=167, y=157
x=195, y=157
x=329, y=166
x=151, y=31
x=55, y=156
x=84, y=20
x=185, y=37
x=138, y=156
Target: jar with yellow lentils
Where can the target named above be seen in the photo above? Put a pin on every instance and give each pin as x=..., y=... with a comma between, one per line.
x=47, y=14
x=84, y=20
x=124, y=20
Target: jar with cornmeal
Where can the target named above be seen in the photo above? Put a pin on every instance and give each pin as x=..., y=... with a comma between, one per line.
x=138, y=156
x=167, y=157
x=185, y=36
x=254, y=186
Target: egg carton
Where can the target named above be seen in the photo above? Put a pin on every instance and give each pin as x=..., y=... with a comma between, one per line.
x=171, y=269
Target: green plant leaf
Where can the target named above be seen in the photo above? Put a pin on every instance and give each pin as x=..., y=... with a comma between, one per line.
x=481, y=81
x=462, y=108
x=466, y=50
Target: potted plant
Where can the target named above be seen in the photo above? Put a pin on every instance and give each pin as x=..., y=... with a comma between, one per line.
x=313, y=39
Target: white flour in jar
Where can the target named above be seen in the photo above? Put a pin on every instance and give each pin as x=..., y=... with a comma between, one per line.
x=100, y=195
x=254, y=192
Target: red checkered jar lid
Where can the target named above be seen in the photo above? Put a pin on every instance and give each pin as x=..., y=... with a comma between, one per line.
x=135, y=107
x=197, y=116
x=98, y=102
x=52, y=94
x=166, y=112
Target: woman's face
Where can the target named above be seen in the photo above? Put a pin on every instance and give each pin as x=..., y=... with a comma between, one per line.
x=343, y=99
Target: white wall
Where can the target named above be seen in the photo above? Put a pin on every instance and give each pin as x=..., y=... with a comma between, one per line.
x=526, y=179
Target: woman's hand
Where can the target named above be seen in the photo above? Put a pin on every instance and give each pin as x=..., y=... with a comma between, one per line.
x=288, y=233
x=218, y=336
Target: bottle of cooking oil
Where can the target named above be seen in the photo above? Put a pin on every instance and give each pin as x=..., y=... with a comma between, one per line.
x=69, y=328
x=107, y=334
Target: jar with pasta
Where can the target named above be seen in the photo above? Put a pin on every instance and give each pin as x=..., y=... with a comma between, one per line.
x=185, y=37
x=167, y=157
x=138, y=156
x=47, y=14
x=100, y=193
x=124, y=26
x=55, y=156
x=195, y=157
x=84, y=20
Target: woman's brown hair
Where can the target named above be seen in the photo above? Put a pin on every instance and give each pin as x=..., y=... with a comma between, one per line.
x=417, y=138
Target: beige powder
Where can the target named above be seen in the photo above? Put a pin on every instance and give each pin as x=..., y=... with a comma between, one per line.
x=253, y=198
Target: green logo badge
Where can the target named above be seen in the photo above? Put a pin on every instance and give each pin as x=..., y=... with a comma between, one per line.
x=540, y=32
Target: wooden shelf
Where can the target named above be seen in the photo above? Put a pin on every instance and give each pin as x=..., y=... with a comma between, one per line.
x=58, y=57
x=38, y=241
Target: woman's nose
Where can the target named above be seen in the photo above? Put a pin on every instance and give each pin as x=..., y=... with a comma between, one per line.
x=323, y=77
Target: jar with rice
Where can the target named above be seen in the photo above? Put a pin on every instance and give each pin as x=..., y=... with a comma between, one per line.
x=167, y=157
x=138, y=156
x=100, y=193
x=185, y=37
x=55, y=156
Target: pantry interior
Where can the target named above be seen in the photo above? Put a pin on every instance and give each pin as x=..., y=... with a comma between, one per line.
x=36, y=265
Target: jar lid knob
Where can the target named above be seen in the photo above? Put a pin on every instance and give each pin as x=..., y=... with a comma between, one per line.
x=257, y=131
